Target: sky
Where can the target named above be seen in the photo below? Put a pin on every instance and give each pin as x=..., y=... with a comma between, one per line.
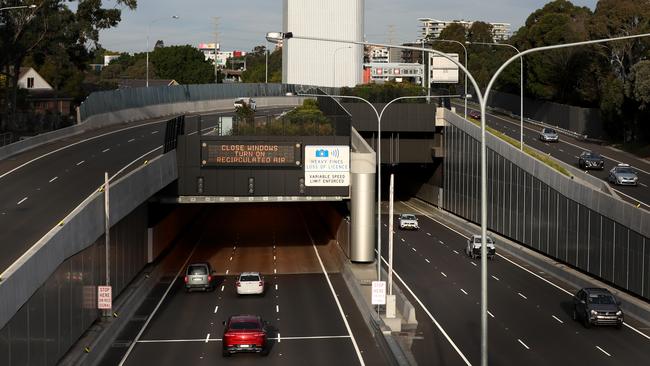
x=243, y=24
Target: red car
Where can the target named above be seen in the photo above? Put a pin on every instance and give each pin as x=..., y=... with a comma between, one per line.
x=244, y=333
x=475, y=114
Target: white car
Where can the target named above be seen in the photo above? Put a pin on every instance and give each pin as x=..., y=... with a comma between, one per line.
x=408, y=221
x=240, y=102
x=473, y=248
x=250, y=283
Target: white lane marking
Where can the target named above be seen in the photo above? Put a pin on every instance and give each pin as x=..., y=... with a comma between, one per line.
x=429, y=234
x=643, y=185
x=456, y=252
x=53, y=179
x=81, y=162
x=230, y=258
x=207, y=338
x=338, y=303
x=630, y=197
x=558, y=319
x=216, y=308
x=523, y=344
x=279, y=339
x=220, y=340
x=273, y=257
x=496, y=278
x=276, y=287
x=403, y=240
x=154, y=132
x=576, y=157
x=106, y=150
x=429, y=314
x=443, y=273
x=603, y=351
x=463, y=291
x=23, y=200
x=522, y=295
x=560, y=150
x=441, y=242
x=490, y=314
x=414, y=249
x=137, y=337
x=277, y=308
x=474, y=264
x=275, y=270
x=227, y=271
x=427, y=260
x=131, y=140
x=222, y=287
x=74, y=144
x=385, y=225
x=517, y=265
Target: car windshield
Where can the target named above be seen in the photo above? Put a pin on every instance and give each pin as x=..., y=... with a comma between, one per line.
x=602, y=299
x=408, y=217
x=249, y=278
x=592, y=155
x=197, y=270
x=549, y=130
x=625, y=170
x=488, y=240
x=244, y=325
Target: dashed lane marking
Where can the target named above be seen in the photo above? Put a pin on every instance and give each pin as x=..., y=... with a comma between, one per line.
x=603, y=351
x=207, y=338
x=131, y=140
x=154, y=132
x=463, y=291
x=277, y=308
x=490, y=314
x=523, y=344
x=190, y=340
x=427, y=260
x=496, y=278
x=443, y=273
x=558, y=319
x=222, y=287
x=474, y=264
x=23, y=200
x=403, y=240
x=429, y=234
x=522, y=295
x=276, y=287
x=81, y=162
x=216, y=308
x=106, y=150
x=227, y=271
x=414, y=249
x=456, y=252
x=53, y=179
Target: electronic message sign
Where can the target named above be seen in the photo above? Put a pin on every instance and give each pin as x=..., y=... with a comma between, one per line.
x=251, y=154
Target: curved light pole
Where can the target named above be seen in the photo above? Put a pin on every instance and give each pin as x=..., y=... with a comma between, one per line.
x=33, y=6
x=521, y=85
x=465, y=49
x=334, y=64
x=148, y=30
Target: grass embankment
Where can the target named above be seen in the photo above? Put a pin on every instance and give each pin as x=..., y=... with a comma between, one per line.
x=546, y=159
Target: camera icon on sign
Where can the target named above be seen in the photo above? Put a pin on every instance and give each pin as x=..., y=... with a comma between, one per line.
x=322, y=153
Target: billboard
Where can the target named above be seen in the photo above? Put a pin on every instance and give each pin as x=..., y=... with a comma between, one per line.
x=250, y=154
x=327, y=165
x=442, y=70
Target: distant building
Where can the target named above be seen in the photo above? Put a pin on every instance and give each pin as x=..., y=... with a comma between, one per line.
x=109, y=58
x=221, y=57
x=379, y=54
x=29, y=79
x=433, y=27
x=41, y=96
x=317, y=62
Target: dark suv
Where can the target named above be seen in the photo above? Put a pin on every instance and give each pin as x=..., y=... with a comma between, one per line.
x=597, y=306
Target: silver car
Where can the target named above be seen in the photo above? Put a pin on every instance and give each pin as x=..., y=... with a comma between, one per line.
x=549, y=135
x=408, y=221
x=623, y=174
x=200, y=276
x=473, y=248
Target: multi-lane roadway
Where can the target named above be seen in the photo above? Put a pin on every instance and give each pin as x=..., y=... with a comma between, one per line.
x=312, y=317
x=529, y=312
x=568, y=149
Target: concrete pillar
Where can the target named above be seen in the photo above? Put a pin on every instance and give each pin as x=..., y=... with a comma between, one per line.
x=362, y=205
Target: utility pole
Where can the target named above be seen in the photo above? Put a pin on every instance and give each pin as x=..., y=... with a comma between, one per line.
x=216, y=48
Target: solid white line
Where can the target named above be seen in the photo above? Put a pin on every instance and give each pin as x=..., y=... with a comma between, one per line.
x=630, y=197
x=558, y=319
x=496, y=278
x=517, y=265
x=523, y=344
x=474, y=264
x=81, y=162
x=207, y=338
x=443, y=273
x=463, y=291
x=137, y=337
x=338, y=303
x=74, y=144
x=603, y=351
x=490, y=314
x=414, y=249
x=131, y=140
x=277, y=308
x=427, y=260
x=21, y=201
x=643, y=185
x=216, y=308
x=429, y=314
x=53, y=179
x=522, y=295
x=106, y=150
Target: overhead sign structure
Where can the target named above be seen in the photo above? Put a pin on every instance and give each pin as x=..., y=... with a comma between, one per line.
x=442, y=70
x=104, y=297
x=250, y=154
x=327, y=166
x=378, y=293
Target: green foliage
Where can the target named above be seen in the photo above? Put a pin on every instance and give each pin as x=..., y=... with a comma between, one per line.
x=185, y=64
x=256, y=66
x=306, y=120
x=383, y=93
x=638, y=86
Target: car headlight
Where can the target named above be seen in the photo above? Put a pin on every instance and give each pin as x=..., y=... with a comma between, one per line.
x=593, y=312
x=619, y=313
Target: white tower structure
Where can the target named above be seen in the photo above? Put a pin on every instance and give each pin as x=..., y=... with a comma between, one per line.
x=317, y=62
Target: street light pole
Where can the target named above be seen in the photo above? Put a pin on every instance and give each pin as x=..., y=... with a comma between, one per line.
x=465, y=50
x=33, y=6
x=148, y=31
x=266, y=51
x=334, y=65
x=521, y=86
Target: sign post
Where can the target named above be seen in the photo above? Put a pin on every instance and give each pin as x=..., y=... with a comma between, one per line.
x=105, y=298
x=378, y=293
x=390, y=300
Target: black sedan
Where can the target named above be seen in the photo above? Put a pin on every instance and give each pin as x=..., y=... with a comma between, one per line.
x=591, y=160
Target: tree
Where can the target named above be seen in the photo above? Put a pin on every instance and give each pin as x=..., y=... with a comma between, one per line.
x=159, y=44
x=256, y=66
x=185, y=64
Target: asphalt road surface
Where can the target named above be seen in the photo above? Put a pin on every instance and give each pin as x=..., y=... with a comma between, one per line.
x=39, y=188
x=529, y=319
x=312, y=316
x=568, y=150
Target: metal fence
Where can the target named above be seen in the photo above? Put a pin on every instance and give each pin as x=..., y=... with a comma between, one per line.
x=523, y=207
x=115, y=100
